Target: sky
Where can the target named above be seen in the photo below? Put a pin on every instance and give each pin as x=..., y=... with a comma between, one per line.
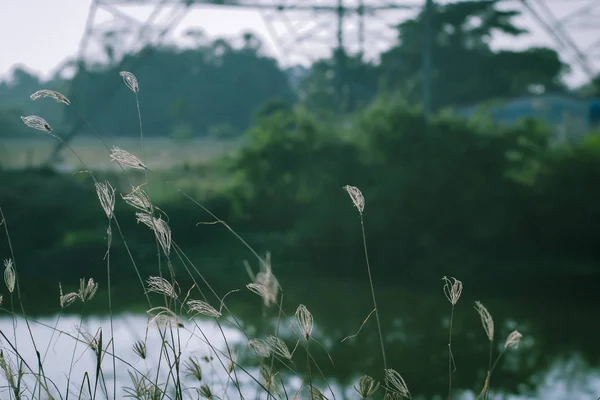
x=40, y=34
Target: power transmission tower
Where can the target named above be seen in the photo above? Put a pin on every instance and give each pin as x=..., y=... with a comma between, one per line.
x=305, y=30
x=574, y=28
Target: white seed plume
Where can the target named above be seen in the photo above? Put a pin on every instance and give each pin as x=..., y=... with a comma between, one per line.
x=452, y=289
x=1, y=298
x=106, y=195
x=258, y=289
x=163, y=317
x=315, y=394
x=35, y=122
x=59, y=97
x=305, y=320
x=356, y=196
x=92, y=341
x=67, y=299
x=160, y=285
x=130, y=80
x=126, y=158
x=279, y=347
x=268, y=281
x=260, y=347
x=513, y=339
x=87, y=292
x=486, y=320
x=160, y=228
x=395, y=383
x=366, y=386
x=202, y=307
x=138, y=198
x=9, y=275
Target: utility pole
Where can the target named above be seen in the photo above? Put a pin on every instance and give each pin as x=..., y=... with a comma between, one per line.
x=340, y=58
x=427, y=55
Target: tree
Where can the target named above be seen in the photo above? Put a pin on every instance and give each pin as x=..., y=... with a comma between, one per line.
x=465, y=68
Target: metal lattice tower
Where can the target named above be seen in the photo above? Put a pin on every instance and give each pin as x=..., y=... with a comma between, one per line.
x=302, y=30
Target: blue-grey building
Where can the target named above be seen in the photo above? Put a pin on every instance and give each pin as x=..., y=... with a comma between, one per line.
x=570, y=117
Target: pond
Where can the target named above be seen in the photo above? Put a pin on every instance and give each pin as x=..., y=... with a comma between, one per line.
x=556, y=359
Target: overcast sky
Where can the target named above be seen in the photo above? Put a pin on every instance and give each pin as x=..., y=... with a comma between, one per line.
x=40, y=34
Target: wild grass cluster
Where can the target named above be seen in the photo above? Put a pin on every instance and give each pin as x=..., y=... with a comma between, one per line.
x=287, y=366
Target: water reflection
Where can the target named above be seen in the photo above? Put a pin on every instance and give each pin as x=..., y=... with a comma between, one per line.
x=557, y=359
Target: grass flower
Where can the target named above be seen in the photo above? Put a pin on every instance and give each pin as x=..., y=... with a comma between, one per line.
x=35, y=122
x=486, y=320
x=125, y=158
x=59, y=97
x=357, y=197
x=305, y=320
x=130, y=80
x=9, y=275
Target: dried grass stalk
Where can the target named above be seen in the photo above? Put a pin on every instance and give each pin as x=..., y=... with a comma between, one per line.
x=160, y=285
x=452, y=289
x=9, y=275
x=163, y=318
x=160, y=228
x=305, y=320
x=260, y=347
x=125, y=158
x=59, y=97
x=513, y=339
x=366, y=387
x=130, y=80
x=67, y=299
x=486, y=320
x=106, y=195
x=35, y=122
x=279, y=347
x=356, y=196
x=202, y=307
x=395, y=383
x=139, y=199
x=87, y=291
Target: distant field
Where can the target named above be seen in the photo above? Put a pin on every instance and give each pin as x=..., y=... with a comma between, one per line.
x=161, y=153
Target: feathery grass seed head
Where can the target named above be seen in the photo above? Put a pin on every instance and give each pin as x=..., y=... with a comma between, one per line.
x=279, y=347
x=67, y=299
x=87, y=292
x=452, y=289
x=163, y=317
x=315, y=394
x=140, y=349
x=366, y=386
x=59, y=97
x=130, y=80
x=202, y=307
x=205, y=392
x=125, y=158
x=35, y=122
x=260, y=347
x=395, y=383
x=139, y=199
x=9, y=275
x=106, y=195
x=266, y=278
x=305, y=320
x=513, y=339
x=92, y=341
x=160, y=285
x=486, y=320
x=356, y=196
x=160, y=228
x=192, y=366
